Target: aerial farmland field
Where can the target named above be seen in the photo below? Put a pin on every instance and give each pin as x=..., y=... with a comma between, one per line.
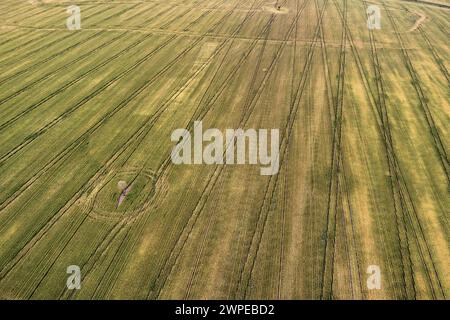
x=356, y=201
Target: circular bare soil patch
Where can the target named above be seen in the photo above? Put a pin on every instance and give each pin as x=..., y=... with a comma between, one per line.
x=124, y=194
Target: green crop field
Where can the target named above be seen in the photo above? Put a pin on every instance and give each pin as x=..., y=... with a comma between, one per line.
x=87, y=178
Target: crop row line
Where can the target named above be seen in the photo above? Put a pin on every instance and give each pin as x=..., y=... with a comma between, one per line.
x=23, y=44
x=31, y=53
x=25, y=71
x=55, y=71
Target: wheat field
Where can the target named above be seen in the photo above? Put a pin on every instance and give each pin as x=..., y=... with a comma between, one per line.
x=86, y=176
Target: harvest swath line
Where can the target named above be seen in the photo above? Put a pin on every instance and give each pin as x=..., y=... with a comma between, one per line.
x=31, y=68
x=200, y=112
x=141, y=13
x=156, y=16
x=5, y=271
x=15, y=58
x=138, y=135
x=56, y=11
x=115, y=15
x=45, y=46
x=88, y=17
x=169, y=22
x=53, y=72
x=70, y=83
x=13, y=38
x=22, y=46
x=18, y=11
x=436, y=56
x=204, y=14
x=27, y=9
x=50, y=13
x=358, y=262
x=342, y=171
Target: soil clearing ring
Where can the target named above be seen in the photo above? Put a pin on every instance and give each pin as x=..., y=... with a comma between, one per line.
x=124, y=194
